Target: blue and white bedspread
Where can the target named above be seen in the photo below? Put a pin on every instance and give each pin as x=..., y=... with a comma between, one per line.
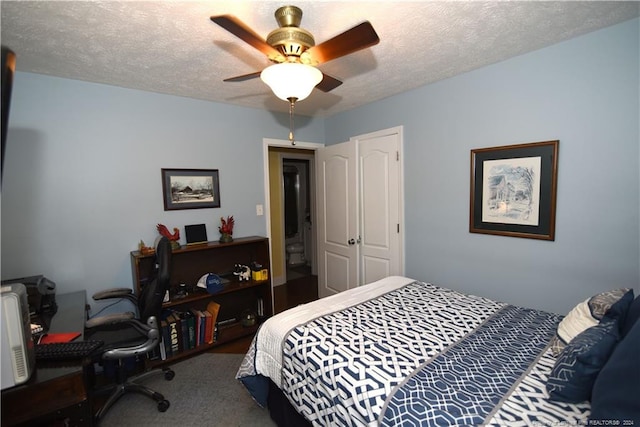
x=414, y=354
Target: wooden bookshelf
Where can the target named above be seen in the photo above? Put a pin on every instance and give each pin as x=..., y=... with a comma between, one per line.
x=190, y=263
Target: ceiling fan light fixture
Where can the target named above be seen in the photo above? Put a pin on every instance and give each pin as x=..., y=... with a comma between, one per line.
x=291, y=80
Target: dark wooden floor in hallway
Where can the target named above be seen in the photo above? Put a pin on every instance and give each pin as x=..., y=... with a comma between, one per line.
x=295, y=292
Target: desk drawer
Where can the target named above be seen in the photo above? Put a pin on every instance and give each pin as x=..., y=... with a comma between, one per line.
x=63, y=397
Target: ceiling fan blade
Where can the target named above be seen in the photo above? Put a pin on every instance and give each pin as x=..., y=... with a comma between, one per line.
x=246, y=34
x=328, y=83
x=357, y=38
x=243, y=77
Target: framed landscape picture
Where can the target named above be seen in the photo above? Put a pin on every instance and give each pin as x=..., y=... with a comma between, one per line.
x=190, y=188
x=513, y=190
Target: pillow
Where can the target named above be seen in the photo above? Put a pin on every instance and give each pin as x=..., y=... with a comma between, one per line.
x=585, y=315
x=617, y=387
x=633, y=314
x=601, y=303
x=577, y=367
x=620, y=309
x=578, y=319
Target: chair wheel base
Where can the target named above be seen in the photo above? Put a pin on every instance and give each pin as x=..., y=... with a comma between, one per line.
x=163, y=405
x=168, y=374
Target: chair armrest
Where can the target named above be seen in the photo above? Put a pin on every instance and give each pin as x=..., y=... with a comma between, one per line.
x=109, y=319
x=152, y=332
x=112, y=293
x=116, y=293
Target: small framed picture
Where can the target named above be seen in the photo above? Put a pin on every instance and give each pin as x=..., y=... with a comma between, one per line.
x=190, y=188
x=513, y=190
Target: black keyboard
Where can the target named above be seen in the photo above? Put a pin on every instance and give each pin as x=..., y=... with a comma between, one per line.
x=66, y=350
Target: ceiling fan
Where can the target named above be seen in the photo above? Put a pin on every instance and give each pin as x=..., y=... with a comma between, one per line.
x=290, y=44
x=295, y=55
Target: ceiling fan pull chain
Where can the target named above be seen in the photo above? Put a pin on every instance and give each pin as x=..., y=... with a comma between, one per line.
x=292, y=102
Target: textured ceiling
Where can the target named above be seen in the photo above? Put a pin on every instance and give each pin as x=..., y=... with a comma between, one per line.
x=172, y=47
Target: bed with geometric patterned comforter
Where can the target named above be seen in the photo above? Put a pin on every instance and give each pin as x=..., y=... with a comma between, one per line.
x=403, y=352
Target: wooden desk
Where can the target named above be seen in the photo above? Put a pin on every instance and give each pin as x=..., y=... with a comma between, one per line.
x=56, y=393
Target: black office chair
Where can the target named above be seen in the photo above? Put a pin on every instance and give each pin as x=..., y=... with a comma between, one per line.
x=127, y=335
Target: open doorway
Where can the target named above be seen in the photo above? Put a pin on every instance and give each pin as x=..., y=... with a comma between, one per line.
x=290, y=197
x=297, y=193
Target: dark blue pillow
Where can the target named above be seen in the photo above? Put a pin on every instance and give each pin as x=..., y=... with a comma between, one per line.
x=620, y=308
x=572, y=377
x=633, y=314
x=616, y=392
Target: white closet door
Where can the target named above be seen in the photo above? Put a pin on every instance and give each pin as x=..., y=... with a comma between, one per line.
x=337, y=218
x=379, y=207
x=359, y=193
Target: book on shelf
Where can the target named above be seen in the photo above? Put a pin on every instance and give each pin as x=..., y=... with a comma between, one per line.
x=208, y=332
x=182, y=320
x=174, y=336
x=197, y=318
x=203, y=327
x=213, y=308
x=183, y=343
x=184, y=332
x=190, y=336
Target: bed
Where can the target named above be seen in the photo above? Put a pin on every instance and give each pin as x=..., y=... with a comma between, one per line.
x=404, y=352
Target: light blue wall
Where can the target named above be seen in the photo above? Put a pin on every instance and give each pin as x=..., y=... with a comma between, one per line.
x=82, y=183
x=585, y=93
x=82, y=177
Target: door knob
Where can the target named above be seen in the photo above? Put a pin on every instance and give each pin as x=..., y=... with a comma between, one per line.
x=352, y=241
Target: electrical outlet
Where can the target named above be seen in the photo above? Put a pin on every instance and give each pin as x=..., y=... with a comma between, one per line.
x=259, y=210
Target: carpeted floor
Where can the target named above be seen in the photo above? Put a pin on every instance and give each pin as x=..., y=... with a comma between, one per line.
x=204, y=392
